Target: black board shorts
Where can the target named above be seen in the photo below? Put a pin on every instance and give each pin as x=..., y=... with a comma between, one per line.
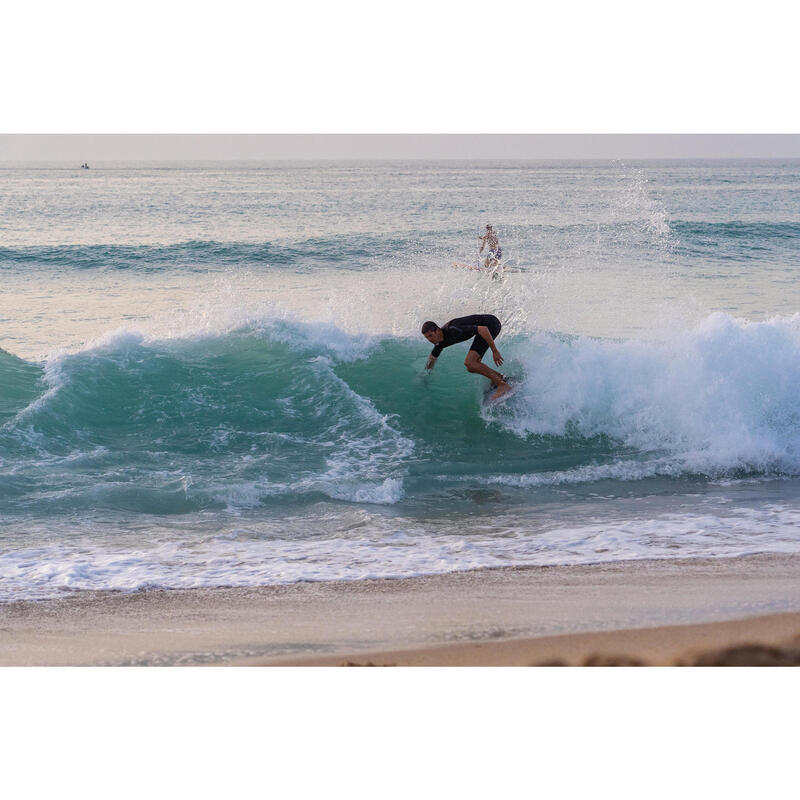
x=479, y=344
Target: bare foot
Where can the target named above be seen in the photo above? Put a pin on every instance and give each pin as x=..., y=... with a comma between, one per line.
x=502, y=389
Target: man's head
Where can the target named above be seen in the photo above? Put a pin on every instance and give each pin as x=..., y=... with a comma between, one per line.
x=488, y=227
x=432, y=332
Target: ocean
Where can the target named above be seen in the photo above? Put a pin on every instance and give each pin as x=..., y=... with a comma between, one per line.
x=211, y=374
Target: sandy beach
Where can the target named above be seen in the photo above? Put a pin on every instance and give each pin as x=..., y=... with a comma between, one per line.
x=652, y=612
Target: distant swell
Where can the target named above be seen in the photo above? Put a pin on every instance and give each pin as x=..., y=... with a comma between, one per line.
x=737, y=240
x=737, y=229
x=203, y=254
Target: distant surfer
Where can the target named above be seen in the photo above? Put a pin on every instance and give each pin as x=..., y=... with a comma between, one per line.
x=495, y=251
x=491, y=263
x=484, y=327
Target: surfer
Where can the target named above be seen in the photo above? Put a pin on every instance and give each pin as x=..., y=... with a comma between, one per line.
x=484, y=327
x=495, y=251
x=492, y=263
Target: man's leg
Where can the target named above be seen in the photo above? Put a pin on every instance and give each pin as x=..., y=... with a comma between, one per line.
x=473, y=364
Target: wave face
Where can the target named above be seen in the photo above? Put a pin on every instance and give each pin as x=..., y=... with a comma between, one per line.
x=278, y=412
x=19, y=384
x=173, y=427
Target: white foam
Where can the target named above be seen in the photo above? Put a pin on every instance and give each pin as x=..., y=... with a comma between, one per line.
x=722, y=396
x=356, y=546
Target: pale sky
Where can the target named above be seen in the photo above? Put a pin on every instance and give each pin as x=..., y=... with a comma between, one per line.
x=118, y=147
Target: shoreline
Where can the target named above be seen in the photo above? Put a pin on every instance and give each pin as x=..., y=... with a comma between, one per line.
x=645, y=610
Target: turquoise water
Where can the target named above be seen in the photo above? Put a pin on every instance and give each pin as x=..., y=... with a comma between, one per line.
x=213, y=374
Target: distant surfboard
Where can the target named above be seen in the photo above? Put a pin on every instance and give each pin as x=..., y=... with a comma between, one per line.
x=498, y=271
x=466, y=266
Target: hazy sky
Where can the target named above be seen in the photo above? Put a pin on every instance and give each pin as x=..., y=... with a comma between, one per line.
x=101, y=147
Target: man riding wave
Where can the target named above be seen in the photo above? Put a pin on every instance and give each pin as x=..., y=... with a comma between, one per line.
x=484, y=327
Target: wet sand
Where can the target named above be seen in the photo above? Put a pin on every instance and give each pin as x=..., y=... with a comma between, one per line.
x=654, y=612
x=772, y=640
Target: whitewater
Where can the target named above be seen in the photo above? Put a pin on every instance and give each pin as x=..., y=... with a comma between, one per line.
x=212, y=375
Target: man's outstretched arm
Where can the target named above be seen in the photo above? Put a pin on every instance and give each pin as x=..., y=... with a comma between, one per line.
x=431, y=362
x=487, y=336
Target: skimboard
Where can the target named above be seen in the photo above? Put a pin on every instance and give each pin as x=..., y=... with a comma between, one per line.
x=490, y=400
x=497, y=271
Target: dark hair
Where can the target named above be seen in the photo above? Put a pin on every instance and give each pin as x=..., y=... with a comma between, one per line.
x=429, y=326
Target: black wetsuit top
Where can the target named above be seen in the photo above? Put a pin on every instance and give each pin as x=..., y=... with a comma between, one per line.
x=462, y=328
